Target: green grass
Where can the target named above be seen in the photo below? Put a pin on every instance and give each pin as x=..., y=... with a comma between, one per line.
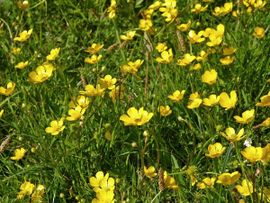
x=64, y=163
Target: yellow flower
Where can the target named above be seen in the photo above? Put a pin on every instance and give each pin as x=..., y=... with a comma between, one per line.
x=22, y=65
x=196, y=38
x=55, y=127
x=16, y=50
x=24, y=35
x=98, y=179
x=194, y=101
x=129, y=36
x=93, y=59
x=150, y=172
x=53, y=54
x=9, y=90
x=228, y=178
x=231, y=136
x=26, y=188
x=41, y=74
x=81, y=100
x=252, y=154
x=94, y=48
x=228, y=102
x=112, y=9
x=246, y=118
x=37, y=195
x=210, y=77
x=186, y=60
x=161, y=47
x=145, y=24
x=136, y=117
x=177, y=95
x=265, y=100
x=227, y=60
x=166, y=57
x=164, y=110
x=75, y=113
x=108, y=82
x=132, y=67
x=117, y=92
x=198, y=8
x=202, y=56
x=215, y=150
x=246, y=188
x=266, y=154
x=91, y=91
x=212, y=100
x=215, y=36
x=18, y=154
x=259, y=32
x=221, y=11
x=265, y=123
x=207, y=182
x=169, y=181
x=197, y=66
x=228, y=51
x=184, y=26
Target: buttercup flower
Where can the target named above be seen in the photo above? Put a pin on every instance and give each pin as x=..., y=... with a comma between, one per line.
x=194, y=101
x=26, y=188
x=246, y=118
x=55, y=127
x=198, y=8
x=37, y=195
x=94, y=48
x=24, y=35
x=108, y=82
x=215, y=150
x=228, y=178
x=81, y=100
x=212, y=100
x=177, y=95
x=150, y=172
x=132, y=67
x=169, y=181
x=246, y=188
x=91, y=91
x=196, y=38
x=228, y=51
x=112, y=9
x=210, y=77
x=228, y=102
x=206, y=182
x=9, y=90
x=22, y=65
x=259, y=32
x=227, y=60
x=186, y=60
x=265, y=100
x=129, y=36
x=41, y=74
x=145, y=24
x=265, y=123
x=136, y=117
x=184, y=26
x=164, y=110
x=166, y=57
x=93, y=59
x=161, y=47
x=75, y=113
x=231, y=135
x=53, y=54
x=266, y=154
x=18, y=154
x=252, y=154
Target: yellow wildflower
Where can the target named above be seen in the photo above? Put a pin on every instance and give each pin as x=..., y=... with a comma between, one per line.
x=117, y=92
x=266, y=154
x=131, y=67
x=93, y=59
x=228, y=178
x=136, y=117
x=202, y=56
x=252, y=154
x=215, y=150
x=37, y=195
x=196, y=66
x=145, y=24
x=98, y=179
x=246, y=118
x=1, y=113
x=169, y=11
x=26, y=188
x=161, y=47
x=150, y=172
x=81, y=100
x=41, y=74
x=231, y=135
x=169, y=181
x=265, y=123
x=210, y=77
x=259, y=32
x=177, y=95
x=215, y=36
x=166, y=57
x=112, y=9
x=91, y=91
x=207, y=182
x=227, y=60
x=55, y=127
x=184, y=26
x=22, y=65
x=94, y=48
x=24, y=35
x=265, y=100
x=246, y=188
x=75, y=113
x=186, y=60
x=212, y=100
x=196, y=38
x=129, y=36
x=18, y=154
x=198, y=8
x=222, y=11
x=194, y=101
x=9, y=90
x=53, y=54
x=227, y=101
x=164, y=110
x=228, y=51
x=16, y=50
x=108, y=82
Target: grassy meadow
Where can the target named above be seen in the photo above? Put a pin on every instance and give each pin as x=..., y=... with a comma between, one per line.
x=134, y=101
